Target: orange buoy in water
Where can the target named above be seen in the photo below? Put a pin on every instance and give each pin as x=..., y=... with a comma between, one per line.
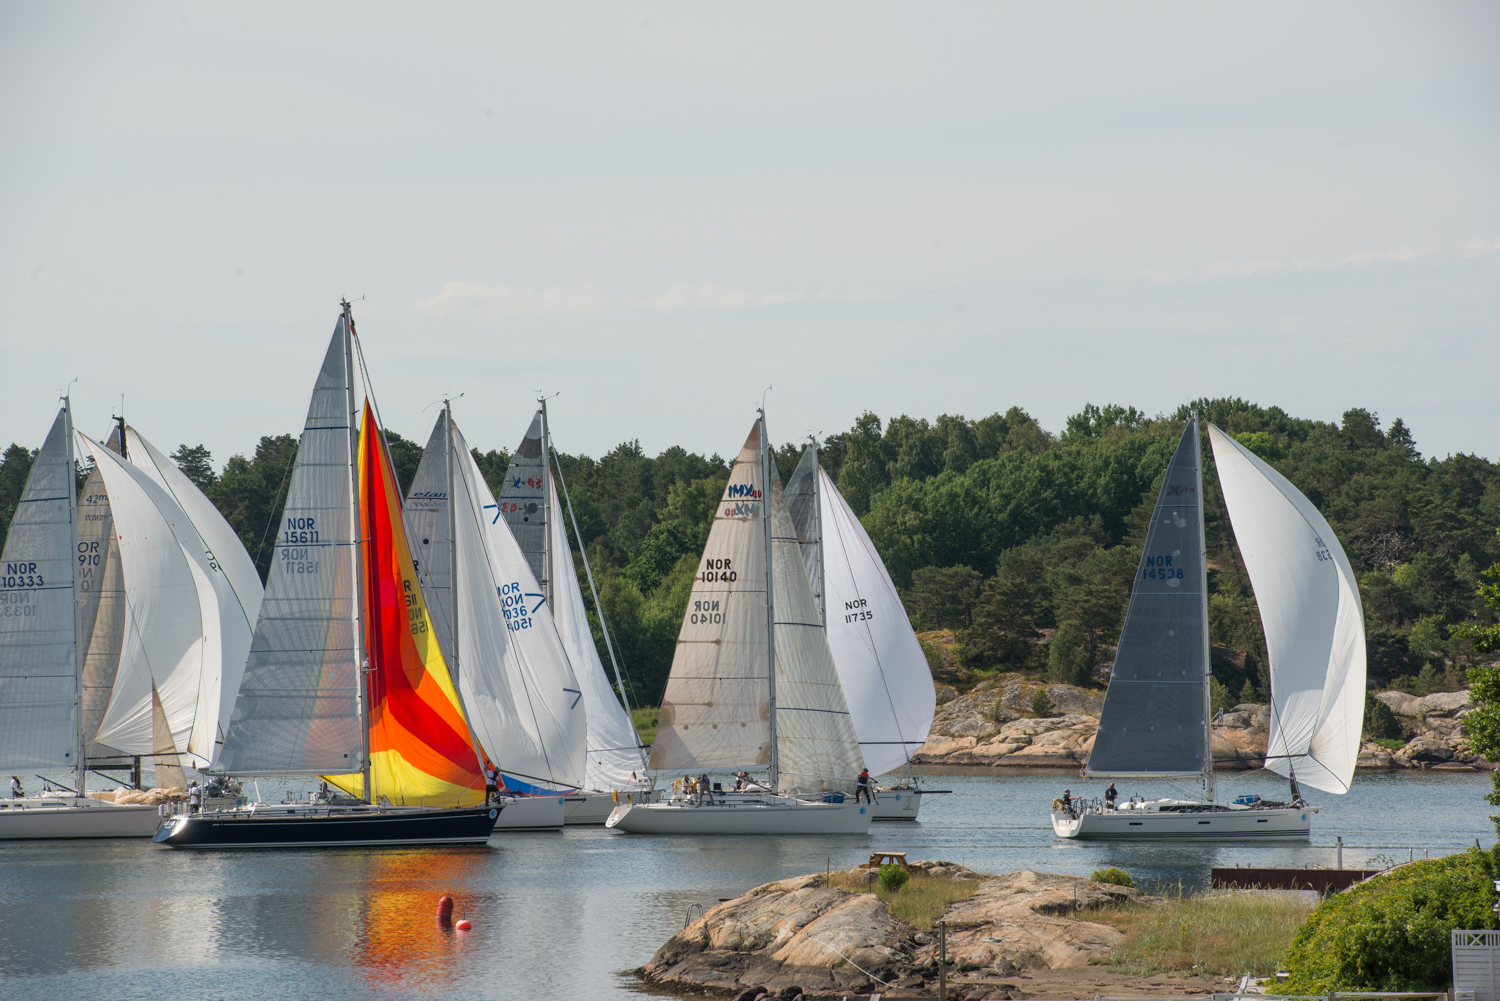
x=463, y=926
x=445, y=907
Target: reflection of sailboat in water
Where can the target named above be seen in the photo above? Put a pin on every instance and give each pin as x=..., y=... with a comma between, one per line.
x=526, y=708
x=397, y=943
x=752, y=683
x=1155, y=721
x=881, y=666
x=42, y=658
x=343, y=601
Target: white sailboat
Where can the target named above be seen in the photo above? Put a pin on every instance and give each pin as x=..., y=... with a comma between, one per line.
x=525, y=704
x=529, y=502
x=753, y=686
x=41, y=718
x=881, y=666
x=1155, y=722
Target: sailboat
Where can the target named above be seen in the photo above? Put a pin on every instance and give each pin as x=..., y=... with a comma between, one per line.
x=881, y=666
x=526, y=707
x=41, y=663
x=345, y=677
x=1155, y=722
x=753, y=686
x=529, y=503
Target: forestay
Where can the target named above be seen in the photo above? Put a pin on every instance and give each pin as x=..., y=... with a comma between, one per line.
x=297, y=711
x=523, y=701
x=1154, y=720
x=881, y=666
x=1310, y=610
x=614, y=751
x=219, y=552
x=715, y=713
x=523, y=500
x=817, y=748
x=38, y=652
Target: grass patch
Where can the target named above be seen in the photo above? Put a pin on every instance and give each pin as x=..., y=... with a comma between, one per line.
x=1391, y=744
x=1230, y=932
x=919, y=903
x=645, y=723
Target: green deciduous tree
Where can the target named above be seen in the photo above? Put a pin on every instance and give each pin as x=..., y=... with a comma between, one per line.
x=197, y=464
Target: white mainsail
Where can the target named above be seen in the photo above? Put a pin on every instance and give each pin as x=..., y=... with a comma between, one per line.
x=173, y=640
x=298, y=706
x=99, y=584
x=38, y=639
x=884, y=673
x=524, y=704
x=1310, y=610
x=716, y=711
x=236, y=585
x=523, y=501
x=614, y=751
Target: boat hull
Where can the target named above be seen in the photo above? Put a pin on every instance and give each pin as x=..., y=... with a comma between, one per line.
x=896, y=804
x=531, y=813
x=741, y=818
x=45, y=818
x=1218, y=825
x=592, y=808
x=304, y=828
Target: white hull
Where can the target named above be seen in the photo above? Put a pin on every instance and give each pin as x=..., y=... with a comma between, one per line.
x=896, y=804
x=767, y=816
x=531, y=813
x=1204, y=825
x=89, y=818
x=595, y=807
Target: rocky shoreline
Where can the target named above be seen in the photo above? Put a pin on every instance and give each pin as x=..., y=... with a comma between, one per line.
x=807, y=936
x=993, y=726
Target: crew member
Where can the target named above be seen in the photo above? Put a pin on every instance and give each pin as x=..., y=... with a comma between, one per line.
x=195, y=797
x=1110, y=795
x=16, y=792
x=1067, y=800
x=862, y=787
x=491, y=785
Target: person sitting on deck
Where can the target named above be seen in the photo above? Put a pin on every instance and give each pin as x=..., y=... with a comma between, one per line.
x=1110, y=795
x=862, y=787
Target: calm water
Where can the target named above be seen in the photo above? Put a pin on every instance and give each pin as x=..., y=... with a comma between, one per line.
x=560, y=915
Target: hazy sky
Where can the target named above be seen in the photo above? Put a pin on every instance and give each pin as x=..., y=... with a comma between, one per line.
x=656, y=210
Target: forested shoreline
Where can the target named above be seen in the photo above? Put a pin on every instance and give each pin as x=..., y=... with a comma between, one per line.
x=1022, y=542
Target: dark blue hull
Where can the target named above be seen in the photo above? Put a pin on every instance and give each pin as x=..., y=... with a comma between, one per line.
x=325, y=827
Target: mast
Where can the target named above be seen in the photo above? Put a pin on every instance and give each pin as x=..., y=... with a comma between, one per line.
x=361, y=658
x=81, y=762
x=1208, y=724
x=822, y=556
x=546, y=505
x=765, y=517
x=452, y=530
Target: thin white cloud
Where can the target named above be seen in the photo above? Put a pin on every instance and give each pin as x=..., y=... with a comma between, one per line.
x=1254, y=268
x=684, y=296
x=498, y=302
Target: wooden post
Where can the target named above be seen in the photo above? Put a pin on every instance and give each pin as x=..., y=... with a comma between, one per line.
x=942, y=961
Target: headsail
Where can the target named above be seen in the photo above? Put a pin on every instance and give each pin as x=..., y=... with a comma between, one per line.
x=297, y=711
x=236, y=584
x=38, y=649
x=523, y=501
x=614, y=751
x=420, y=747
x=1310, y=609
x=807, y=519
x=99, y=583
x=884, y=673
x=715, y=713
x=1155, y=717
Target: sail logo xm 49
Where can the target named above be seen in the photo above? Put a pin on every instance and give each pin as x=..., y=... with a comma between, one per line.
x=513, y=605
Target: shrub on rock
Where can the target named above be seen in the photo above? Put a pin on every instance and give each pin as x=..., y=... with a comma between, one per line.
x=1041, y=703
x=1119, y=877
x=893, y=878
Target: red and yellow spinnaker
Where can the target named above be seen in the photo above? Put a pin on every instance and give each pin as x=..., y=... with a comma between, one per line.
x=420, y=750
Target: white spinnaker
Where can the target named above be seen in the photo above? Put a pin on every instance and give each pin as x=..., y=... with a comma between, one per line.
x=614, y=753
x=171, y=613
x=816, y=744
x=715, y=713
x=884, y=673
x=38, y=652
x=236, y=585
x=1311, y=613
x=519, y=689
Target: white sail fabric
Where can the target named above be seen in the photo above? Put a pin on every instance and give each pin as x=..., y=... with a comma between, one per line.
x=1311, y=613
x=802, y=501
x=614, y=751
x=523, y=501
x=99, y=583
x=884, y=673
x=524, y=703
x=38, y=648
x=716, y=711
x=172, y=636
x=816, y=745
x=297, y=711
x=425, y=514
x=222, y=558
